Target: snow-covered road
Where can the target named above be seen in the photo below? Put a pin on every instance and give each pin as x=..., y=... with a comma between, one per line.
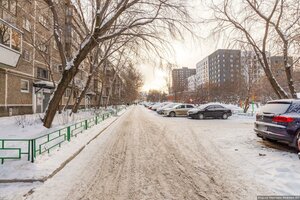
x=147, y=156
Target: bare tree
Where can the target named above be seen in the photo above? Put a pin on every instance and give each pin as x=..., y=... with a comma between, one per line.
x=265, y=25
x=127, y=15
x=133, y=81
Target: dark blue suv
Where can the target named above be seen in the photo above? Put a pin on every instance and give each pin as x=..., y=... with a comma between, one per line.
x=279, y=120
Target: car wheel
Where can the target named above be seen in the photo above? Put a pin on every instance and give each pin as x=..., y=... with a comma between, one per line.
x=271, y=140
x=298, y=141
x=225, y=116
x=201, y=116
x=172, y=114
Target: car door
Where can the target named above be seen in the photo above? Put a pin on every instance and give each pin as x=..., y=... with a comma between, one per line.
x=218, y=111
x=209, y=111
x=179, y=109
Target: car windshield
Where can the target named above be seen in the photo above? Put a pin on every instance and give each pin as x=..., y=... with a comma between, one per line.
x=171, y=105
x=275, y=108
x=164, y=104
x=177, y=105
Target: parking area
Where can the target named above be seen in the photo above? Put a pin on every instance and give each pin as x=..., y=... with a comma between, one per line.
x=274, y=165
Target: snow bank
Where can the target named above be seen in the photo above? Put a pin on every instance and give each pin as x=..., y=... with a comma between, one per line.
x=30, y=126
x=45, y=164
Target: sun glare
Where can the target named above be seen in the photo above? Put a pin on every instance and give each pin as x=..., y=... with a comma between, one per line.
x=157, y=80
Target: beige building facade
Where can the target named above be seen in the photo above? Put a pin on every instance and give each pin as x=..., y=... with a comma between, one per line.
x=29, y=59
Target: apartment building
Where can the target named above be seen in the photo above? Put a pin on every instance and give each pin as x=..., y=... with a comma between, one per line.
x=277, y=67
x=180, y=79
x=252, y=69
x=26, y=37
x=224, y=66
x=202, y=71
x=29, y=59
x=192, y=83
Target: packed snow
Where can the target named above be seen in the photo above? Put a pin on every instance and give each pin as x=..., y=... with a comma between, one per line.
x=147, y=156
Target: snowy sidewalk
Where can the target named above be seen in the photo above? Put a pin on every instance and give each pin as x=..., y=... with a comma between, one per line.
x=45, y=165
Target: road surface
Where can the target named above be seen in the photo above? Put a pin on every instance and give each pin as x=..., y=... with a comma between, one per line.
x=147, y=156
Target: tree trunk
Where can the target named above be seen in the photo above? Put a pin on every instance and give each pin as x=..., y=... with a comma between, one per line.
x=111, y=88
x=247, y=104
x=67, y=77
x=81, y=96
x=288, y=69
x=69, y=97
x=101, y=94
x=275, y=85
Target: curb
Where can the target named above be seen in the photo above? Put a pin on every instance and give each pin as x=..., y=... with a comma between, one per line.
x=62, y=165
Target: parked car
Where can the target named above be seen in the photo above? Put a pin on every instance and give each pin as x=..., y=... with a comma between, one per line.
x=159, y=105
x=162, y=109
x=178, y=110
x=151, y=105
x=279, y=120
x=148, y=104
x=210, y=111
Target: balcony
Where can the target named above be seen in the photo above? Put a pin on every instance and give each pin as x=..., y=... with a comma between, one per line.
x=10, y=44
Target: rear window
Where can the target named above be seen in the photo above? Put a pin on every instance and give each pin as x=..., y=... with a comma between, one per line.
x=275, y=108
x=294, y=108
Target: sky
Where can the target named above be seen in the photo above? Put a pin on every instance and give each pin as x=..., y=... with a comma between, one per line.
x=187, y=53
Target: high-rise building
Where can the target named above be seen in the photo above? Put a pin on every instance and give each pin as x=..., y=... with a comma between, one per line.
x=252, y=69
x=192, y=83
x=278, y=68
x=202, y=72
x=180, y=79
x=224, y=66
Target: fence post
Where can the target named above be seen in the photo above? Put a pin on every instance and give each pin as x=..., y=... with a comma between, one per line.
x=34, y=148
x=86, y=124
x=96, y=120
x=2, y=159
x=69, y=133
x=32, y=151
x=28, y=150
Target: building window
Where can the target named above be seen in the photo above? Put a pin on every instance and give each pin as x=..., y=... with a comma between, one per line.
x=26, y=55
x=5, y=4
x=43, y=48
x=10, y=37
x=44, y=21
x=42, y=73
x=24, y=86
x=26, y=24
x=60, y=68
x=67, y=92
x=10, y=5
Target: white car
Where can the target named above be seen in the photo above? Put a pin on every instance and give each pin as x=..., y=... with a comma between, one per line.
x=159, y=105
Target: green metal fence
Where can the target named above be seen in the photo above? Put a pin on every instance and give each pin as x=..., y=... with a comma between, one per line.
x=15, y=148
